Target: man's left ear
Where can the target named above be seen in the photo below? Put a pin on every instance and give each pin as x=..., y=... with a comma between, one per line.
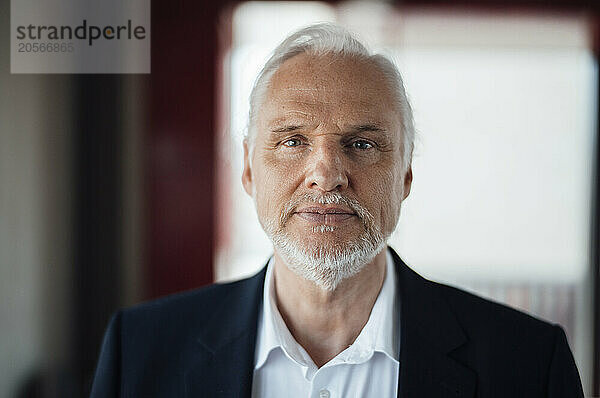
x=407, y=182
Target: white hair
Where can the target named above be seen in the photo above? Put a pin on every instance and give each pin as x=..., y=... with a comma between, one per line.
x=330, y=39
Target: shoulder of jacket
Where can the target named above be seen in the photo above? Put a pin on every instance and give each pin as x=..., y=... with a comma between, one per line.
x=191, y=304
x=477, y=313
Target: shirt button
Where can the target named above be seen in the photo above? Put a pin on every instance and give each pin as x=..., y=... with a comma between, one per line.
x=324, y=394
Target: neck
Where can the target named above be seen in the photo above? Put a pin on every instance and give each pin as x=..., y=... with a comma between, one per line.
x=324, y=322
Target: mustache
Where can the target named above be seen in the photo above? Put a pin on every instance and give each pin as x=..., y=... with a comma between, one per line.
x=325, y=199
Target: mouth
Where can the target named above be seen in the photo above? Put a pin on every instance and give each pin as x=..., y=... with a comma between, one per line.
x=325, y=215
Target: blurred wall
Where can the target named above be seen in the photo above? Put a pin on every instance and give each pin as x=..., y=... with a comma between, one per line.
x=70, y=216
x=35, y=221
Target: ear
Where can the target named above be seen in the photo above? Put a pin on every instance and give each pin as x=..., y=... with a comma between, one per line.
x=407, y=182
x=247, y=180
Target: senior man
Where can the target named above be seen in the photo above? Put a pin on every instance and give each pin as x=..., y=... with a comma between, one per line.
x=335, y=312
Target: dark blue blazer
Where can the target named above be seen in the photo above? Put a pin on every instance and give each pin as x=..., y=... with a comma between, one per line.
x=453, y=344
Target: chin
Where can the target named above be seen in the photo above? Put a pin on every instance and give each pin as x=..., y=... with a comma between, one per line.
x=327, y=264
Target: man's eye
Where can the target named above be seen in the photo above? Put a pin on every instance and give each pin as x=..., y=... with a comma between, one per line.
x=360, y=144
x=292, y=142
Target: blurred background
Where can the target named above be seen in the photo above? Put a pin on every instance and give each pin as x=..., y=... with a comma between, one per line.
x=116, y=189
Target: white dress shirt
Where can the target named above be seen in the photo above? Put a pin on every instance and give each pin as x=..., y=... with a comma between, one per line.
x=367, y=368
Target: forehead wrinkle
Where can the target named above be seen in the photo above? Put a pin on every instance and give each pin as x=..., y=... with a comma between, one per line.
x=286, y=110
x=330, y=102
x=359, y=120
x=302, y=89
x=298, y=93
x=290, y=116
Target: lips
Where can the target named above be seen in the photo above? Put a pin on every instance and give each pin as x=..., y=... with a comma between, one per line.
x=325, y=215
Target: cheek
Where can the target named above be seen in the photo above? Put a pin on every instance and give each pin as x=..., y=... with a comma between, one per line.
x=275, y=188
x=382, y=194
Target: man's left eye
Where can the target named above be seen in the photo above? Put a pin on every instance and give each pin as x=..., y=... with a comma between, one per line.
x=362, y=145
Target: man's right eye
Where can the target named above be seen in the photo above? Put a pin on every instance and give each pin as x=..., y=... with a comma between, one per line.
x=292, y=142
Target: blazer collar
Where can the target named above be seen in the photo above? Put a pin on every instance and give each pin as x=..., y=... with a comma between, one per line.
x=226, y=362
x=429, y=333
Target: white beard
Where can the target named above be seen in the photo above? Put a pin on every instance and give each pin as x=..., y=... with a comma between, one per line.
x=326, y=264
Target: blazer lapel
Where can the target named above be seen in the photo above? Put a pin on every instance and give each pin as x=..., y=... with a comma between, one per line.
x=226, y=348
x=429, y=333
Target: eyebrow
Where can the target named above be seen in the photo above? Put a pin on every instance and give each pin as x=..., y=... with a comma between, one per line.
x=359, y=128
x=287, y=128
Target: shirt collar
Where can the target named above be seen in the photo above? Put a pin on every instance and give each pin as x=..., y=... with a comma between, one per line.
x=380, y=333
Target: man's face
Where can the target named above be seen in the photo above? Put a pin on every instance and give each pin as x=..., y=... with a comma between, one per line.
x=327, y=162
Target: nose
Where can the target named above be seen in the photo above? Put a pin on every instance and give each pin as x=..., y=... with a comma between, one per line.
x=325, y=169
